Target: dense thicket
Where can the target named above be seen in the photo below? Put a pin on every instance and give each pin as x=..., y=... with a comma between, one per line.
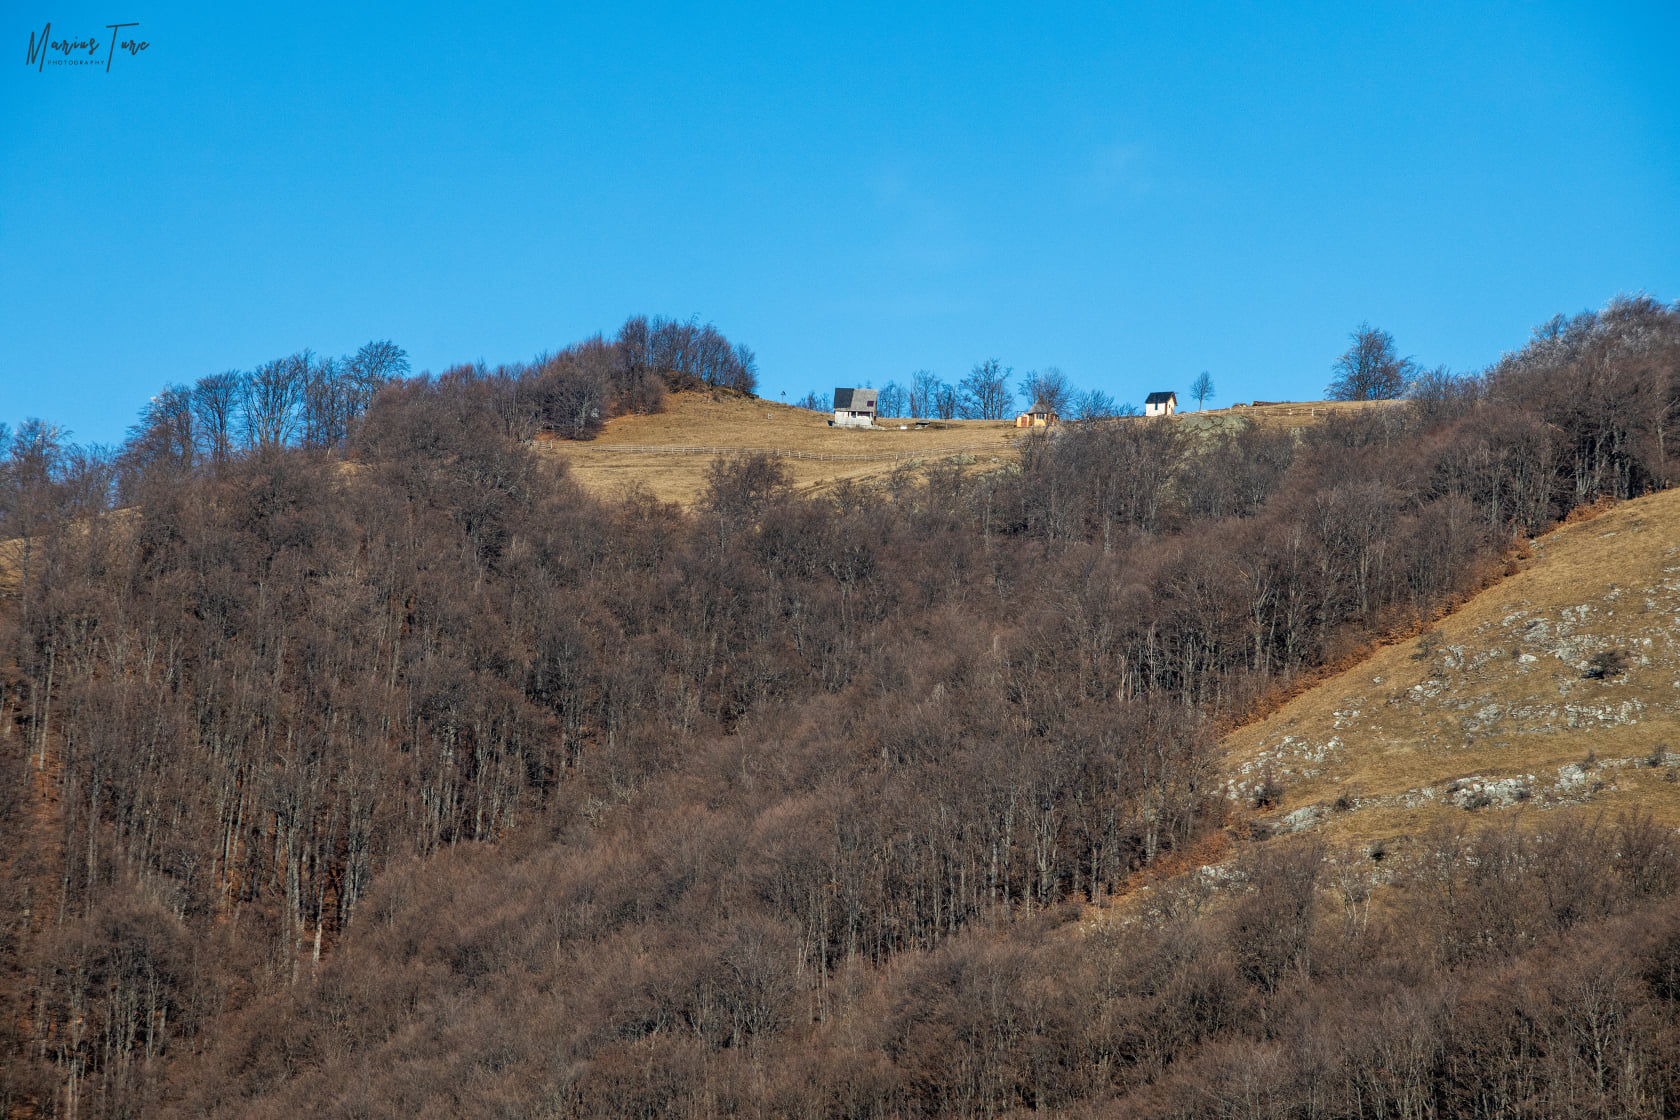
x=684, y=354
x=411, y=779
x=304, y=400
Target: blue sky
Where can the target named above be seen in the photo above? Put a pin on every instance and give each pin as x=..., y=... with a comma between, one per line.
x=1133, y=193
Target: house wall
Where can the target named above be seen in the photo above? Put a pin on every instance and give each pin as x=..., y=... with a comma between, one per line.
x=843, y=419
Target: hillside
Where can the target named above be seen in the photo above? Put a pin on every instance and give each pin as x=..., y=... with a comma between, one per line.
x=1495, y=710
x=444, y=785
x=665, y=452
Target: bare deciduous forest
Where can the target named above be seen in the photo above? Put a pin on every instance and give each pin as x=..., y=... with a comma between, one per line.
x=359, y=763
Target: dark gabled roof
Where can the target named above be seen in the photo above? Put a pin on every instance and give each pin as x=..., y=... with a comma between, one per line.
x=1161, y=398
x=860, y=400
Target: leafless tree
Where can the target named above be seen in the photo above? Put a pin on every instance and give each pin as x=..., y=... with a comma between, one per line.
x=634, y=341
x=37, y=450
x=1048, y=388
x=924, y=392
x=379, y=362
x=169, y=424
x=374, y=366
x=890, y=400
x=215, y=399
x=984, y=394
x=328, y=405
x=1094, y=404
x=272, y=394
x=1371, y=369
x=744, y=374
x=572, y=391
x=1202, y=389
x=1439, y=396
x=741, y=486
x=637, y=386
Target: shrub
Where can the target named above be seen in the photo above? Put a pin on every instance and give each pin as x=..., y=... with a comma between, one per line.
x=1609, y=663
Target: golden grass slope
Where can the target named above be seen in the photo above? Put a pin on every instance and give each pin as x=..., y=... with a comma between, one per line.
x=696, y=420
x=1493, y=711
x=608, y=466
x=1284, y=414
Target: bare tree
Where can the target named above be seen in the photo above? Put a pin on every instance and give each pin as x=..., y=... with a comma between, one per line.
x=38, y=450
x=572, y=390
x=272, y=393
x=1048, y=389
x=634, y=343
x=381, y=361
x=329, y=404
x=375, y=365
x=1094, y=404
x=924, y=392
x=744, y=375
x=1202, y=389
x=214, y=399
x=1370, y=369
x=890, y=400
x=741, y=486
x=714, y=358
x=169, y=425
x=29, y=477
x=985, y=392
x=636, y=385
x=1439, y=396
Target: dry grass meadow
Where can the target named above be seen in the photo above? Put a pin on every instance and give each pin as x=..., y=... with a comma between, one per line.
x=1494, y=710
x=680, y=442
x=695, y=428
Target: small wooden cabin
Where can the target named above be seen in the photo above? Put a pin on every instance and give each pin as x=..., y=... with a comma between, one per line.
x=1038, y=416
x=1160, y=404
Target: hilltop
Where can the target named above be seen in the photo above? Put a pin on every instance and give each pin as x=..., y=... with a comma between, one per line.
x=665, y=452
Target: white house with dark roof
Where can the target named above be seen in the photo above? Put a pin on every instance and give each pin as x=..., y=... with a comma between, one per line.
x=854, y=408
x=1160, y=404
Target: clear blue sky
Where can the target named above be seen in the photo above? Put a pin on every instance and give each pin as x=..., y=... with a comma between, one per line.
x=1133, y=193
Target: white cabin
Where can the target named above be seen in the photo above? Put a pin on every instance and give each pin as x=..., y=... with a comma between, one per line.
x=1160, y=404
x=854, y=408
